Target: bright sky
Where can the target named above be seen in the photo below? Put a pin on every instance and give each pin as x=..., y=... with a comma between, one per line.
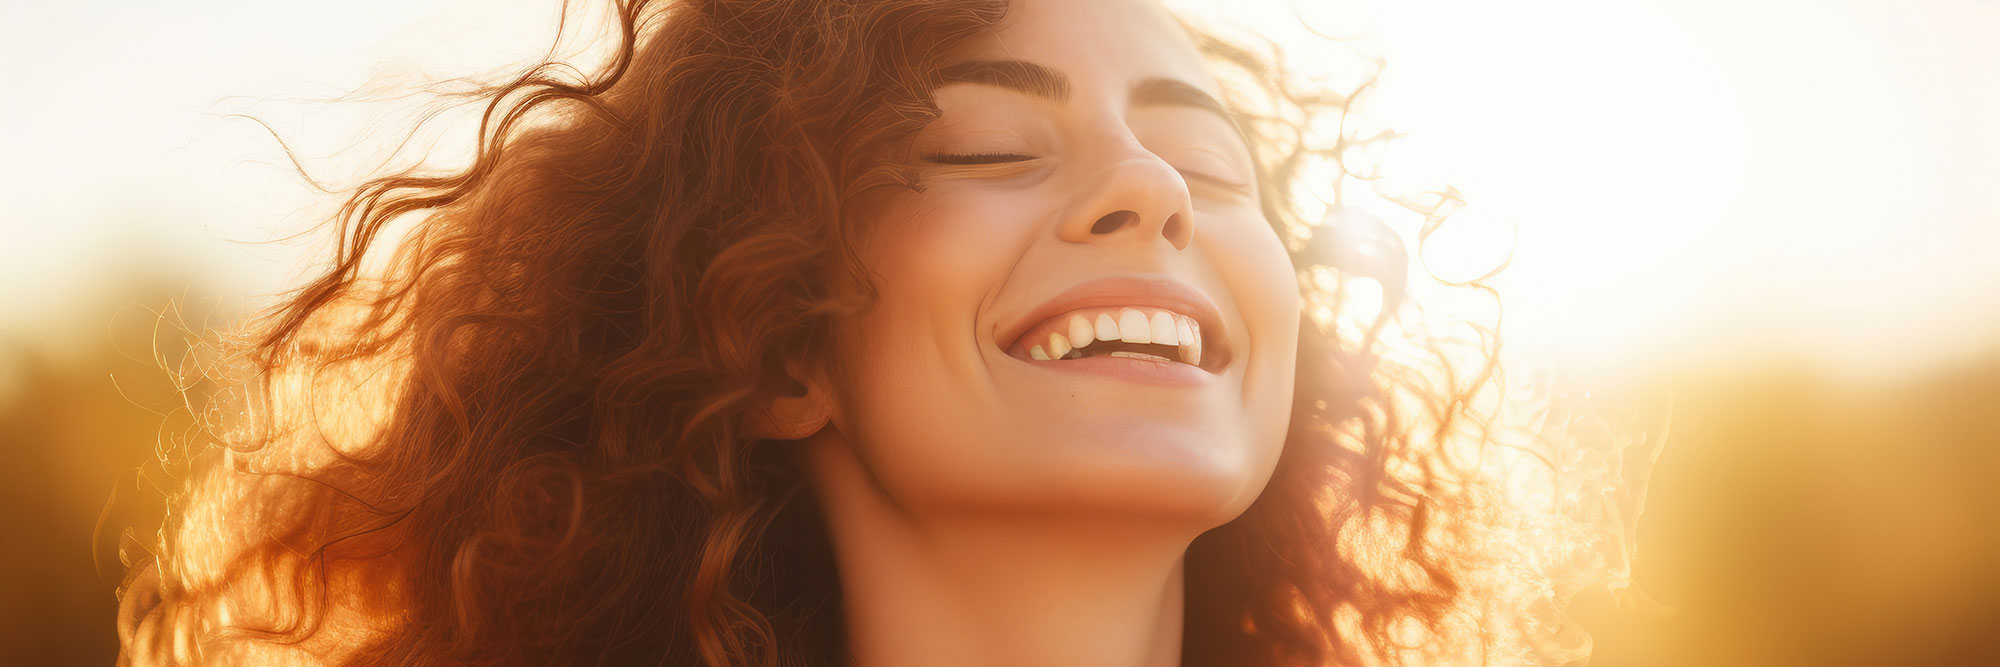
x=1688, y=178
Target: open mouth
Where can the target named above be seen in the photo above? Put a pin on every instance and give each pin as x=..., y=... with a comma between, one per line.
x=1140, y=333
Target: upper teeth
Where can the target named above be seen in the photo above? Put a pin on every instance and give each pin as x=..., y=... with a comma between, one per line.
x=1074, y=332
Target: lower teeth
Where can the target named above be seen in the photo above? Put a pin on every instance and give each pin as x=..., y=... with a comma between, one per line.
x=1139, y=355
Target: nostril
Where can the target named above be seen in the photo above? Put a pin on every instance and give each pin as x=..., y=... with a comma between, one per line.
x=1114, y=221
x=1176, y=230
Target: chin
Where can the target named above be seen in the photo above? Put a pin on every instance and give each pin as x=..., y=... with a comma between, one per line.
x=1193, y=477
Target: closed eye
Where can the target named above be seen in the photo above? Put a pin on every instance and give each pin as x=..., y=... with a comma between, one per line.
x=997, y=158
x=976, y=158
x=1217, y=181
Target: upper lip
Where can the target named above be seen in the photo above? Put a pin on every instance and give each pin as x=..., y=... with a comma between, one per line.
x=1141, y=291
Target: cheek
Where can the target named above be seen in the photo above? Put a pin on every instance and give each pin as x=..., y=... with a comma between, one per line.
x=914, y=390
x=1253, y=262
x=934, y=260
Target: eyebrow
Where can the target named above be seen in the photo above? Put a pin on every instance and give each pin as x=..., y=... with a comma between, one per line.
x=1021, y=75
x=1162, y=91
x=1047, y=83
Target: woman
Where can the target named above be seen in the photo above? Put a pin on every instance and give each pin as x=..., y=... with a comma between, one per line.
x=834, y=332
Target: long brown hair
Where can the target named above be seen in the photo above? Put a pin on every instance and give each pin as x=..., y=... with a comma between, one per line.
x=522, y=442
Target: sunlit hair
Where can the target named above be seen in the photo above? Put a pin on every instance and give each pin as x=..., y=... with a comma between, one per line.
x=522, y=440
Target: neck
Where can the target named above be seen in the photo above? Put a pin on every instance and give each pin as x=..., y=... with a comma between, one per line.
x=991, y=591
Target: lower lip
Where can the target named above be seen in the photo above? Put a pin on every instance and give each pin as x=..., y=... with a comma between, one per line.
x=1144, y=371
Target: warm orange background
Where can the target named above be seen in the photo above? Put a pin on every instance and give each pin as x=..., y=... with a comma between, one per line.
x=1780, y=210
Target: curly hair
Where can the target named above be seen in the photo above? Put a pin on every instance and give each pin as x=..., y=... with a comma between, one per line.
x=522, y=439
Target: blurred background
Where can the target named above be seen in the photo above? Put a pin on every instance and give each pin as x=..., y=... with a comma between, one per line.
x=1781, y=211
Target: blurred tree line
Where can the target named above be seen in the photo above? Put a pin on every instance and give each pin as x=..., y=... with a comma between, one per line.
x=86, y=402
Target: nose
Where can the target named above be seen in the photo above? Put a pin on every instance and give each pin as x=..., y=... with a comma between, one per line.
x=1139, y=196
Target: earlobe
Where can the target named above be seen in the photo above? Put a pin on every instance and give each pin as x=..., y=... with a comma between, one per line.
x=794, y=416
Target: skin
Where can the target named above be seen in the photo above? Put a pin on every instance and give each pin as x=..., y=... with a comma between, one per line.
x=986, y=510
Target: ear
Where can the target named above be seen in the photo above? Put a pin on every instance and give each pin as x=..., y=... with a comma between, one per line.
x=800, y=407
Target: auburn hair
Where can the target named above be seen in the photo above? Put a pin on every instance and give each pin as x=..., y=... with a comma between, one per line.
x=521, y=438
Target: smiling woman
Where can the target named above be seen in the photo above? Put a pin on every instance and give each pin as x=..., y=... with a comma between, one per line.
x=847, y=332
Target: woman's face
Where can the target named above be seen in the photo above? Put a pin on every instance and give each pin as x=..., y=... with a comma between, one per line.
x=1105, y=208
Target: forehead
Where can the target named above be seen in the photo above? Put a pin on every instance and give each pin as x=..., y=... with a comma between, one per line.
x=1099, y=44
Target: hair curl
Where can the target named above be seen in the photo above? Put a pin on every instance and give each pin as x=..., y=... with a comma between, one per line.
x=523, y=441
